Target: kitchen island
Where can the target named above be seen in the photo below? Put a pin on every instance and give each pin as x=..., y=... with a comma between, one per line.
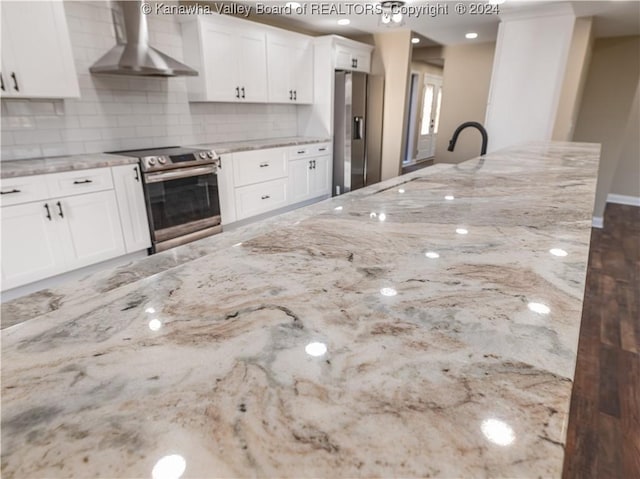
x=417, y=327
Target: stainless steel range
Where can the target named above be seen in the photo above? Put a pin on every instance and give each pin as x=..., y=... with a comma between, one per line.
x=181, y=190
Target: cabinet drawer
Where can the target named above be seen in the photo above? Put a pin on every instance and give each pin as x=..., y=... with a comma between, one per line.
x=78, y=182
x=257, y=166
x=306, y=151
x=255, y=199
x=23, y=189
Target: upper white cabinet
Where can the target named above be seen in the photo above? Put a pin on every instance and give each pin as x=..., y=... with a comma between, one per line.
x=350, y=55
x=37, y=60
x=243, y=61
x=127, y=182
x=290, y=68
x=230, y=56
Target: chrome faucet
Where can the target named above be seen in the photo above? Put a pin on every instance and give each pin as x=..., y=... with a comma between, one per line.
x=474, y=124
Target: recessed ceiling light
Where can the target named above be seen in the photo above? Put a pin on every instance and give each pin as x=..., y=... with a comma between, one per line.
x=471, y=35
x=415, y=40
x=344, y=21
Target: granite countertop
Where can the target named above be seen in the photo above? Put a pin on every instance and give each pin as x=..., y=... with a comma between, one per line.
x=326, y=342
x=38, y=166
x=236, y=146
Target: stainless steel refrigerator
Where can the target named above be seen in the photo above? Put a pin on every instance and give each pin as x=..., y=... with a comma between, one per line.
x=357, y=129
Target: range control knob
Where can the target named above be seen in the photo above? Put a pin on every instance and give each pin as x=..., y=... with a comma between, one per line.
x=151, y=161
x=203, y=155
x=162, y=160
x=210, y=154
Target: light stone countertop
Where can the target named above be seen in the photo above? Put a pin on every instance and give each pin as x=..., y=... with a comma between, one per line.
x=455, y=366
x=38, y=166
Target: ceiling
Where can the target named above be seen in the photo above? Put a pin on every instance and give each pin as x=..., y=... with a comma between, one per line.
x=611, y=18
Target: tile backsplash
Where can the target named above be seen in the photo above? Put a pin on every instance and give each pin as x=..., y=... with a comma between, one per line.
x=119, y=112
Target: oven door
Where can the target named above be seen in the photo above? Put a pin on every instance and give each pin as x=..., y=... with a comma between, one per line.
x=182, y=201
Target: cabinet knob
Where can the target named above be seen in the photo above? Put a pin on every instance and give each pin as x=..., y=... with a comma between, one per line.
x=264, y=165
x=265, y=197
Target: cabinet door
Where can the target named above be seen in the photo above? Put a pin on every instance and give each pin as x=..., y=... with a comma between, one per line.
x=343, y=59
x=255, y=199
x=319, y=178
x=362, y=61
x=31, y=247
x=91, y=230
x=299, y=173
x=279, y=79
x=220, y=62
x=8, y=89
x=302, y=71
x=42, y=60
x=127, y=181
x=251, y=54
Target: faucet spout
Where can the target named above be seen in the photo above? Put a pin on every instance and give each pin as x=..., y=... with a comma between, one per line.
x=473, y=124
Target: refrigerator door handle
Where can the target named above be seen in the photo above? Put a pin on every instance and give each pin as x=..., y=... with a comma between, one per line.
x=358, y=128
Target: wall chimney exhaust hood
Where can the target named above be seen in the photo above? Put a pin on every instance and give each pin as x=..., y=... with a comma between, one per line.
x=133, y=55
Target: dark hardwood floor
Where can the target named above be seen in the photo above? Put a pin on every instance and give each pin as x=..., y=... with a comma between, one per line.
x=603, y=436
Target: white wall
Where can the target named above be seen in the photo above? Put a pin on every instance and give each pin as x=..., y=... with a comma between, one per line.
x=528, y=72
x=128, y=112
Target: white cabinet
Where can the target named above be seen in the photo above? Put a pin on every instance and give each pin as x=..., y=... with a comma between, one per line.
x=259, y=165
x=31, y=249
x=90, y=229
x=290, y=68
x=37, y=60
x=127, y=183
x=230, y=56
x=59, y=222
x=262, y=197
x=352, y=56
x=309, y=168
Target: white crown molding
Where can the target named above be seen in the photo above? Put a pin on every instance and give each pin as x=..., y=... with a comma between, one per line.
x=538, y=11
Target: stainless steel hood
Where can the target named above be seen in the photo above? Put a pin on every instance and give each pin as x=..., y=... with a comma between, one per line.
x=133, y=55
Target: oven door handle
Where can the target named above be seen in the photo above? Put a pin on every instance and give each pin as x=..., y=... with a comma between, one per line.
x=176, y=174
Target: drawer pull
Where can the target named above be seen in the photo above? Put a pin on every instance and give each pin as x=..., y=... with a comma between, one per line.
x=263, y=165
x=61, y=214
x=15, y=81
x=300, y=152
x=322, y=149
x=137, y=177
x=265, y=197
x=9, y=192
x=82, y=182
x=48, y=215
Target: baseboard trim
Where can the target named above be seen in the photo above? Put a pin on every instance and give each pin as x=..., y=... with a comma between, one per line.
x=597, y=222
x=624, y=200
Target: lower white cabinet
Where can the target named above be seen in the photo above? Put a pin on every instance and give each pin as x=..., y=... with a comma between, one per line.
x=127, y=182
x=260, y=198
x=259, y=181
x=31, y=249
x=308, y=178
x=46, y=238
x=47, y=234
x=90, y=228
